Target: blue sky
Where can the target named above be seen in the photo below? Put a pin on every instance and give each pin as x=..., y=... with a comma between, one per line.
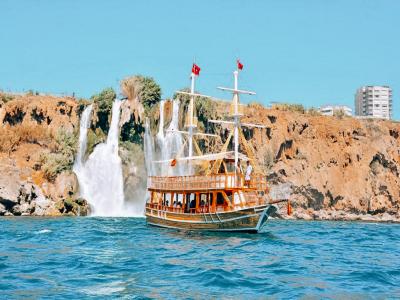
x=309, y=52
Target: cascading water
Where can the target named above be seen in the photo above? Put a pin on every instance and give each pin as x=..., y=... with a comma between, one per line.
x=100, y=177
x=170, y=145
x=84, y=126
x=148, y=149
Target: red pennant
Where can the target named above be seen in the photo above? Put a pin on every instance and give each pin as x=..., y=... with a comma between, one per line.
x=173, y=163
x=196, y=70
x=239, y=65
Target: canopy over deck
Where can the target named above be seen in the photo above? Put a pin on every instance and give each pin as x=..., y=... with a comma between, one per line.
x=229, y=155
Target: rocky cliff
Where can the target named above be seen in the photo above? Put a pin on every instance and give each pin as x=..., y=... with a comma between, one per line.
x=37, y=148
x=338, y=167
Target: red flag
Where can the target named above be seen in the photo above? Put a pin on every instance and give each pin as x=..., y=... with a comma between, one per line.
x=196, y=70
x=239, y=65
x=173, y=163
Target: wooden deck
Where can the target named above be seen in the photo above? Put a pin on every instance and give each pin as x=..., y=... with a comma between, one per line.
x=227, y=181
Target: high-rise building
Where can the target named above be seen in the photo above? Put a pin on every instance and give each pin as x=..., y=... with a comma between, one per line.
x=374, y=101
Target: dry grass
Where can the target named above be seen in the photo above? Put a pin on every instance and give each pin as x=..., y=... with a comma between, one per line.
x=131, y=87
x=12, y=136
x=289, y=107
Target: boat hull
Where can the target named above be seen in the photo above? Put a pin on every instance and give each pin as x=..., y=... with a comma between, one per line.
x=250, y=219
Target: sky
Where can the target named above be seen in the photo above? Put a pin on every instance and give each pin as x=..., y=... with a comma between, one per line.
x=297, y=51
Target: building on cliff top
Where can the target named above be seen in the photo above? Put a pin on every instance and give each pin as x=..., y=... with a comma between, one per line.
x=374, y=101
x=329, y=110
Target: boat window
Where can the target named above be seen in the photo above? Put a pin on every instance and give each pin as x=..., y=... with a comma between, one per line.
x=220, y=199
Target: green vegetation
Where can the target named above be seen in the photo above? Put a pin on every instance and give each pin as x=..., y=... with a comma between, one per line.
x=339, y=113
x=205, y=108
x=4, y=98
x=132, y=131
x=103, y=105
x=312, y=111
x=131, y=153
x=289, y=107
x=142, y=87
x=255, y=104
x=143, y=93
x=268, y=160
x=32, y=93
x=150, y=93
x=94, y=137
x=82, y=103
x=61, y=157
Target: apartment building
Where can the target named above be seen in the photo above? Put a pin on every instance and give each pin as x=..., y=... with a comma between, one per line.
x=374, y=101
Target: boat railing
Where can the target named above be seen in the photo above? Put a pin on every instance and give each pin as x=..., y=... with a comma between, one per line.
x=209, y=182
x=201, y=209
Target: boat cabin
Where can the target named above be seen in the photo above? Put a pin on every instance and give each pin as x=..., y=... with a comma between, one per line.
x=224, y=191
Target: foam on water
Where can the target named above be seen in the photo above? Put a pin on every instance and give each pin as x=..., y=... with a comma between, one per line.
x=43, y=231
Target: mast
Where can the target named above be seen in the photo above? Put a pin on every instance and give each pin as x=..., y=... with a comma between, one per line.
x=236, y=117
x=191, y=124
x=236, y=113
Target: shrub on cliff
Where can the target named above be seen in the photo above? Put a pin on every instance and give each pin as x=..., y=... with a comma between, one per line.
x=313, y=112
x=82, y=103
x=143, y=94
x=61, y=157
x=4, y=98
x=132, y=131
x=150, y=93
x=205, y=108
x=12, y=136
x=289, y=107
x=339, y=113
x=103, y=105
x=146, y=89
x=94, y=137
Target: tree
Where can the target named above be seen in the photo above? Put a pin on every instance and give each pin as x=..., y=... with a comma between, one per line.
x=142, y=87
x=104, y=102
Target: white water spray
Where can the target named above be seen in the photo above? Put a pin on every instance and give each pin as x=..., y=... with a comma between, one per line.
x=84, y=126
x=148, y=149
x=170, y=145
x=100, y=177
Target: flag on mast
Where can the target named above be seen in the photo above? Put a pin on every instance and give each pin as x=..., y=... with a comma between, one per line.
x=239, y=65
x=196, y=70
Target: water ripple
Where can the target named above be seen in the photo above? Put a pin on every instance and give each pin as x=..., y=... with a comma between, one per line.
x=124, y=258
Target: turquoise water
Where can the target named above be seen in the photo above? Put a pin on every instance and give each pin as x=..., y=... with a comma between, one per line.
x=123, y=258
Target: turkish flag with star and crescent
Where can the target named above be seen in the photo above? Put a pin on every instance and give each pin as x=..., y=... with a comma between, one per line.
x=196, y=70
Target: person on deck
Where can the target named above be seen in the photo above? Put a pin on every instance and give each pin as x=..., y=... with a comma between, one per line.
x=249, y=170
x=239, y=172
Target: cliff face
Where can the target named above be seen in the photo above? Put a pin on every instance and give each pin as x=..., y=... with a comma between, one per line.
x=339, y=168
x=37, y=147
x=334, y=164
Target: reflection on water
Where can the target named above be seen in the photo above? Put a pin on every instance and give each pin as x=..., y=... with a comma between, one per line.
x=123, y=257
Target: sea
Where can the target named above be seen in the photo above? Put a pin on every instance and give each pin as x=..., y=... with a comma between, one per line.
x=123, y=258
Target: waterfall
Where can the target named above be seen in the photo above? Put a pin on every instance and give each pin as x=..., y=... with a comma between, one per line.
x=160, y=133
x=170, y=145
x=84, y=126
x=148, y=148
x=100, y=177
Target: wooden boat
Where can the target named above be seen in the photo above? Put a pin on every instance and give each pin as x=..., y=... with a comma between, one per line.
x=214, y=196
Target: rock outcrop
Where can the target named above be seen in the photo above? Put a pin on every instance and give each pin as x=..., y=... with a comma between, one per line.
x=37, y=135
x=335, y=165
